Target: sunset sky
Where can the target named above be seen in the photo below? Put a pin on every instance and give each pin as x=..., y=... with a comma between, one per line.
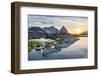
x=74, y=25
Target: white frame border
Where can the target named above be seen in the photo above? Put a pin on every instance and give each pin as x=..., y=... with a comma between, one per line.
x=25, y=64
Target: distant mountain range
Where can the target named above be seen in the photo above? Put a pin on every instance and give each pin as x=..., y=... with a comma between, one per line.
x=46, y=32
x=51, y=33
x=84, y=33
x=36, y=32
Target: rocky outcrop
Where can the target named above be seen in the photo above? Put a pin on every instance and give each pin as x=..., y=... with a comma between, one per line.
x=63, y=30
x=51, y=32
x=63, y=33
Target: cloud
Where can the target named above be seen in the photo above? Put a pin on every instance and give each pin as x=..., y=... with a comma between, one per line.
x=57, y=21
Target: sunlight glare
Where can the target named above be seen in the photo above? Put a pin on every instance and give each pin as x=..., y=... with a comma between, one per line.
x=78, y=31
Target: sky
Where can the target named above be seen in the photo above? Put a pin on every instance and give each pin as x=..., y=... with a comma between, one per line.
x=73, y=24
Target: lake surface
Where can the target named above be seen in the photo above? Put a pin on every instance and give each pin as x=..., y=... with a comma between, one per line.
x=78, y=49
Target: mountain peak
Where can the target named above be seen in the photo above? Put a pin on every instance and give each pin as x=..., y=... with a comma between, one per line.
x=63, y=30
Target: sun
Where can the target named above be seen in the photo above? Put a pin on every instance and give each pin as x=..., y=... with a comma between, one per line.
x=78, y=31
